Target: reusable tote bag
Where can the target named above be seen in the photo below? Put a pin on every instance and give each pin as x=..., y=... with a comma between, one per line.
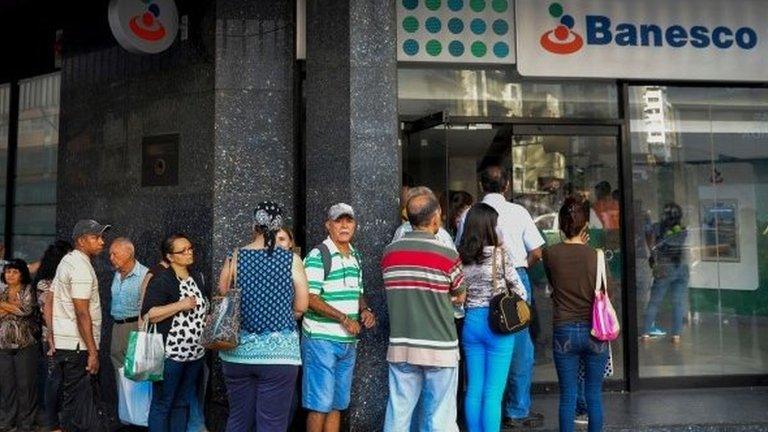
x=134, y=399
x=222, y=327
x=605, y=324
x=145, y=356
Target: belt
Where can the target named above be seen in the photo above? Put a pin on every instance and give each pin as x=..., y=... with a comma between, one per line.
x=126, y=321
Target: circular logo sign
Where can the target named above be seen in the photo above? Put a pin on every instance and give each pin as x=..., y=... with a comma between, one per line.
x=144, y=26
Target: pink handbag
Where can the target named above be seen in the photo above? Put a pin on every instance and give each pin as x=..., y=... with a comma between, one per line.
x=605, y=324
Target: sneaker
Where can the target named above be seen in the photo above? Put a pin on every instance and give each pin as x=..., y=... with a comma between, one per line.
x=581, y=419
x=534, y=420
x=657, y=332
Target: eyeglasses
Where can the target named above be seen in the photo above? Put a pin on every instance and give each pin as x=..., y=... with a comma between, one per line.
x=183, y=251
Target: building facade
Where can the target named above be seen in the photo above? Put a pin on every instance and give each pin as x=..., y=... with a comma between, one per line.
x=656, y=112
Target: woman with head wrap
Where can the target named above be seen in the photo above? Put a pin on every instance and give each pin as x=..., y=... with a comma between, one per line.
x=260, y=373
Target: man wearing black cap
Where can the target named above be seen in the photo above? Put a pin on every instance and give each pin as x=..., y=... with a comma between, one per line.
x=77, y=323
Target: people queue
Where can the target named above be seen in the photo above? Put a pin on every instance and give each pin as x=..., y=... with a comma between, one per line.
x=304, y=317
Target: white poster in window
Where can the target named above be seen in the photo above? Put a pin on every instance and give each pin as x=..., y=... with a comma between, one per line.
x=735, y=240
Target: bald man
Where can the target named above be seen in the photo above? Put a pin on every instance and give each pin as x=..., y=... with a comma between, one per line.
x=126, y=296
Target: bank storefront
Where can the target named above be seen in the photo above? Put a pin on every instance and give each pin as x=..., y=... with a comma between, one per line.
x=658, y=113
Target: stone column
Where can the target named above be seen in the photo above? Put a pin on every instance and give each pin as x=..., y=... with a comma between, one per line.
x=352, y=155
x=254, y=151
x=253, y=124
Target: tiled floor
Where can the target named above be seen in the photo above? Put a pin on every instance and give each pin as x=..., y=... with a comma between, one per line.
x=711, y=344
x=692, y=410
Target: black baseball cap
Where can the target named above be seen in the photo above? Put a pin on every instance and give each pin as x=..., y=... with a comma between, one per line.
x=88, y=226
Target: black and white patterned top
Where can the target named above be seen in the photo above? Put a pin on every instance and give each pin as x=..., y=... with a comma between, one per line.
x=479, y=278
x=183, y=341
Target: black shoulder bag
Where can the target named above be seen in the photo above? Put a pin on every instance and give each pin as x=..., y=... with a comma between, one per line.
x=507, y=311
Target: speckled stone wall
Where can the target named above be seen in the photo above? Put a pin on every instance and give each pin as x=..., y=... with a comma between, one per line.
x=253, y=131
x=353, y=155
x=110, y=99
x=253, y=118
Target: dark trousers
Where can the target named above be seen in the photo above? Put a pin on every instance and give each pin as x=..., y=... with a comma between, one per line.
x=170, y=397
x=51, y=382
x=18, y=387
x=259, y=396
x=79, y=393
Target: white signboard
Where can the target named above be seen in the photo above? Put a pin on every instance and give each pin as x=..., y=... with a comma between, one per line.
x=144, y=26
x=456, y=31
x=651, y=39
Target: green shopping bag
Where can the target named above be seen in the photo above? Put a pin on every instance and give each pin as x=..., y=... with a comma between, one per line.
x=145, y=356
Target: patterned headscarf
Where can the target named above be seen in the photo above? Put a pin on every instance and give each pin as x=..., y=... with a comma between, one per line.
x=268, y=218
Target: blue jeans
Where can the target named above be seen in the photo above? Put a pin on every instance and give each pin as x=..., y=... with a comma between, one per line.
x=196, y=420
x=668, y=277
x=169, y=410
x=572, y=343
x=517, y=399
x=436, y=386
x=487, y=356
x=326, y=382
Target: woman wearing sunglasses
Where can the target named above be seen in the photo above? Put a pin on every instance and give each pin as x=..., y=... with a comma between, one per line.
x=177, y=301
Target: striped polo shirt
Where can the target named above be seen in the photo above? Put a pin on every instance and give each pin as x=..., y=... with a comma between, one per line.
x=420, y=276
x=341, y=289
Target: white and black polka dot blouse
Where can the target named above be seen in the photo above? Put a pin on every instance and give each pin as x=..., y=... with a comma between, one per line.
x=183, y=341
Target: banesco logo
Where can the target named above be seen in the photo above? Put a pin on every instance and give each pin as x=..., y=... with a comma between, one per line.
x=561, y=40
x=147, y=26
x=600, y=32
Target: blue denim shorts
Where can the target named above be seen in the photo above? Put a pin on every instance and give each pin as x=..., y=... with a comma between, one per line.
x=327, y=377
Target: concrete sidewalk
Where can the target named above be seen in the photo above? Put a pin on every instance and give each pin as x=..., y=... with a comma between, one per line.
x=710, y=410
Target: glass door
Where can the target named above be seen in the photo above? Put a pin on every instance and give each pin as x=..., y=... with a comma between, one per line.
x=546, y=164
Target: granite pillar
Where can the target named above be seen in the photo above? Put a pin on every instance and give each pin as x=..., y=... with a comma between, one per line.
x=253, y=120
x=254, y=148
x=352, y=155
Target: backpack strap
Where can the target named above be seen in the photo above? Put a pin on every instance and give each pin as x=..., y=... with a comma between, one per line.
x=325, y=256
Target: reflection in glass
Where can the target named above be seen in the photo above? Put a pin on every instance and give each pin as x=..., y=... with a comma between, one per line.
x=501, y=93
x=702, y=153
x=34, y=208
x=5, y=104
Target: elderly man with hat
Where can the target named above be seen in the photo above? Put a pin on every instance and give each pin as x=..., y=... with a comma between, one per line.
x=77, y=324
x=337, y=309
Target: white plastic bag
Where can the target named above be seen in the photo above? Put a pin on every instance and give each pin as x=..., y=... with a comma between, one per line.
x=134, y=399
x=145, y=356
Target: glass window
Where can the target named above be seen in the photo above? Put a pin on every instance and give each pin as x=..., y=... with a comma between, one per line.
x=700, y=163
x=501, y=93
x=34, y=207
x=5, y=103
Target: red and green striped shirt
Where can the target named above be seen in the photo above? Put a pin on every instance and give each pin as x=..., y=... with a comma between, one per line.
x=420, y=276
